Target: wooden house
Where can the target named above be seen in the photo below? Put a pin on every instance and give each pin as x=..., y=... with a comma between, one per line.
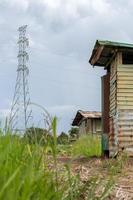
x=117, y=95
x=88, y=122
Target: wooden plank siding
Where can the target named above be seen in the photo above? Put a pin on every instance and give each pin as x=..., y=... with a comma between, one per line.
x=113, y=106
x=125, y=106
x=117, y=108
x=121, y=107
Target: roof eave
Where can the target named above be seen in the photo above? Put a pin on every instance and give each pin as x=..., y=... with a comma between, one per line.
x=77, y=119
x=101, y=46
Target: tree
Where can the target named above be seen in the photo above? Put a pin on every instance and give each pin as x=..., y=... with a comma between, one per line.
x=74, y=132
x=62, y=138
x=37, y=135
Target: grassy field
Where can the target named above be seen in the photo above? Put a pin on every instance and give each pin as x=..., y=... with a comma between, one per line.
x=36, y=172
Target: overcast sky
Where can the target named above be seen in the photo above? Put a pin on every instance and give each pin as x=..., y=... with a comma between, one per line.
x=62, y=35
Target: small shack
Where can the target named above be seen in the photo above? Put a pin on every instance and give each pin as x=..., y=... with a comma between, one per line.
x=88, y=122
x=117, y=95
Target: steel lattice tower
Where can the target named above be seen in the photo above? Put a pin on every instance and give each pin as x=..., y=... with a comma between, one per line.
x=21, y=115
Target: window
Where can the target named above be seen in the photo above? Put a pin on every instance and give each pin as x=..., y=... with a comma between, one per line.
x=127, y=58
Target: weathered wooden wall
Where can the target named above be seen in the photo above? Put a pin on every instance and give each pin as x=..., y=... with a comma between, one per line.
x=82, y=128
x=90, y=126
x=121, y=107
x=113, y=108
x=125, y=106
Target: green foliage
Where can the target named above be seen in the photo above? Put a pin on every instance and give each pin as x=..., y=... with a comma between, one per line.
x=22, y=172
x=63, y=138
x=89, y=189
x=74, y=132
x=25, y=173
x=37, y=136
x=64, y=150
x=88, y=146
x=54, y=149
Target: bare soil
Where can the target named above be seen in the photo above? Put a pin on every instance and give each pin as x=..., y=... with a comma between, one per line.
x=99, y=167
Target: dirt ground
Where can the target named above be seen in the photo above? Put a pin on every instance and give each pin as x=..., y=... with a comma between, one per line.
x=123, y=187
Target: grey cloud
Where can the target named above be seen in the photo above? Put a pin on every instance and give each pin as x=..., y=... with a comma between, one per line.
x=62, y=37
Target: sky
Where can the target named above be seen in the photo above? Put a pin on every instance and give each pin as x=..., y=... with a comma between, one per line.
x=62, y=34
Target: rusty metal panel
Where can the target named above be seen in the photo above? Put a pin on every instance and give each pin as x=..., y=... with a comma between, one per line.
x=111, y=131
x=125, y=125
x=125, y=107
x=105, y=102
x=105, y=113
x=113, y=118
x=125, y=91
x=113, y=94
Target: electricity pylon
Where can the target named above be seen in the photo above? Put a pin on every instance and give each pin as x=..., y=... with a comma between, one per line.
x=21, y=115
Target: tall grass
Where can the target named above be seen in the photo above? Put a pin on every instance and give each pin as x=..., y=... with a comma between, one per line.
x=25, y=172
x=88, y=146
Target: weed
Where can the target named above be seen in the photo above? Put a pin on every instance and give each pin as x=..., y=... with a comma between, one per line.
x=25, y=173
x=88, y=146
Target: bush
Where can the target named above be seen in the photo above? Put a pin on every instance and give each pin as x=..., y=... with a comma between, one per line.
x=62, y=138
x=88, y=146
x=37, y=136
x=74, y=132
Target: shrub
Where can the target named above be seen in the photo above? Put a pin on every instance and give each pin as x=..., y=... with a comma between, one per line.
x=88, y=146
x=37, y=136
x=62, y=138
x=74, y=132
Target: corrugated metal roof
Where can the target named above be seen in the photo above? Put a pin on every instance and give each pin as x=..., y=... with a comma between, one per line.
x=84, y=115
x=116, y=44
x=90, y=114
x=104, y=50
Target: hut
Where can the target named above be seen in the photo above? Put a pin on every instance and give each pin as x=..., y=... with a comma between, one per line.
x=117, y=95
x=88, y=122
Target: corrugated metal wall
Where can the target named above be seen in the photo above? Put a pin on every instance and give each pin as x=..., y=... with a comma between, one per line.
x=113, y=109
x=125, y=106
x=121, y=109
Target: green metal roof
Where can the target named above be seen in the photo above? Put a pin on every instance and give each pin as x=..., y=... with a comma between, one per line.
x=116, y=44
x=105, y=49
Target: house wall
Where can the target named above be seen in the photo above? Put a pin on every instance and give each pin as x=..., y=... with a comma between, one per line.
x=98, y=126
x=125, y=106
x=121, y=107
x=82, y=129
x=113, y=109
x=90, y=126
x=105, y=102
x=105, y=112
